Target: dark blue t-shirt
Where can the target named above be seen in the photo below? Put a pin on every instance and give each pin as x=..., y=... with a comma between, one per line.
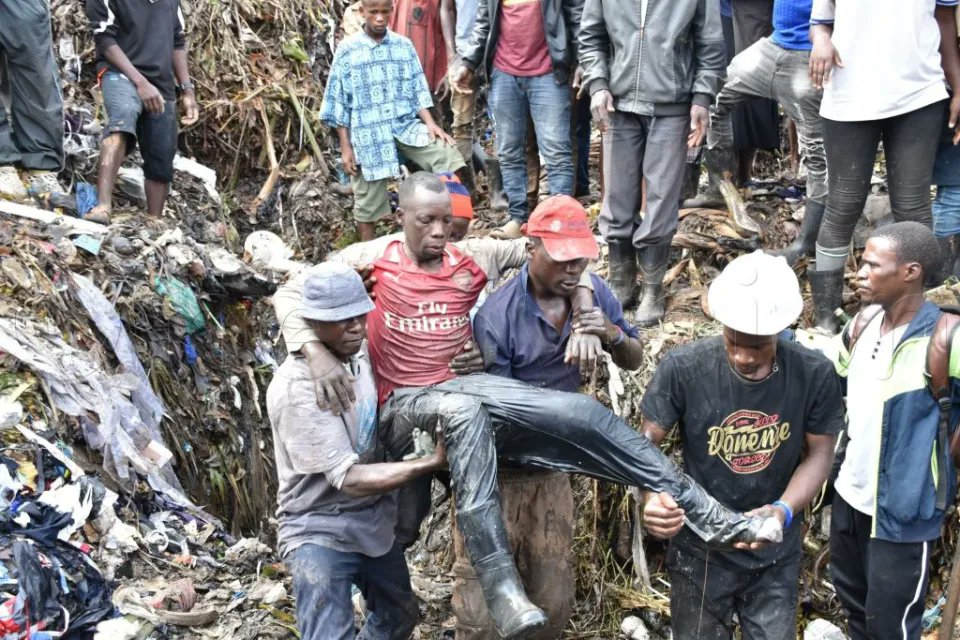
x=518, y=342
x=791, y=24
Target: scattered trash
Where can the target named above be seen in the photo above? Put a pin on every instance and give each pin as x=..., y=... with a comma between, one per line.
x=821, y=629
x=634, y=629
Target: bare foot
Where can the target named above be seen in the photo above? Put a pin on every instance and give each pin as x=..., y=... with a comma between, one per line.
x=99, y=214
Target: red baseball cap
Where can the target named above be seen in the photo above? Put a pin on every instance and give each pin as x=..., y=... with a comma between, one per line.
x=561, y=223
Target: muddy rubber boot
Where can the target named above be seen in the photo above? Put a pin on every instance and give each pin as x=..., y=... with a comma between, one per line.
x=691, y=181
x=720, y=527
x=827, y=290
x=653, y=300
x=498, y=197
x=623, y=271
x=806, y=242
x=721, y=165
x=485, y=538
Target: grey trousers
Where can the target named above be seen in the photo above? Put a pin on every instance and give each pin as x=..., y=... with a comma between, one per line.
x=766, y=70
x=35, y=139
x=637, y=147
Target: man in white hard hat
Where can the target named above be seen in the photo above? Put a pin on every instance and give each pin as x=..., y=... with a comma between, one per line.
x=757, y=416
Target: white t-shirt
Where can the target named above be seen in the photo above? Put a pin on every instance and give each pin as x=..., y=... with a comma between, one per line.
x=870, y=367
x=891, y=57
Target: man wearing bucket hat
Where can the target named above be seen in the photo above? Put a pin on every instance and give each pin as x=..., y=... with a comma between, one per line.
x=424, y=290
x=335, y=506
x=523, y=330
x=757, y=417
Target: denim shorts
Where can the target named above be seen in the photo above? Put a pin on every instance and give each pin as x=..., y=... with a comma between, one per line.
x=156, y=133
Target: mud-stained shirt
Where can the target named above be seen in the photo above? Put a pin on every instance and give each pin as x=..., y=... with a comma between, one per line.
x=742, y=440
x=422, y=318
x=314, y=449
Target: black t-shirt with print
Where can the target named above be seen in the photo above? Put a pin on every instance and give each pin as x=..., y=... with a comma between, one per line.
x=742, y=440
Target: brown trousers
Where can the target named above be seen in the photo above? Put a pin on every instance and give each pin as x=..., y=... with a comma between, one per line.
x=538, y=514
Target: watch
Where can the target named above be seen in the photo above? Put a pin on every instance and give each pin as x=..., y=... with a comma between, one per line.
x=183, y=87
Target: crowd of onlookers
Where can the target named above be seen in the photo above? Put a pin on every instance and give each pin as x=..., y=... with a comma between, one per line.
x=407, y=360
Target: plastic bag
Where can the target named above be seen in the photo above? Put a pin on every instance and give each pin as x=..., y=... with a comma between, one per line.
x=183, y=300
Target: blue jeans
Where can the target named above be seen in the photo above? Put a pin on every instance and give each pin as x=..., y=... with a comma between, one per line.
x=512, y=99
x=946, y=212
x=321, y=584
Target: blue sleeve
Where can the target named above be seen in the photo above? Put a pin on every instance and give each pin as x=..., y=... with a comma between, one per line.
x=335, y=110
x=493, y=346
x=611, y=307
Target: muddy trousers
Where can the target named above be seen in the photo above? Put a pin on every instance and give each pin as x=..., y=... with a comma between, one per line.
x=484, y=417
x=705, y=593
x=322, y=579
x=35, y=140
x=539, y=517
x=882, y=585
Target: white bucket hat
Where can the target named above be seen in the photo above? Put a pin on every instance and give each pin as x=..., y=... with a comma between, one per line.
x=757, y=294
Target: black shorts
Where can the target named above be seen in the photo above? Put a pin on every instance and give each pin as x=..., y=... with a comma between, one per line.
x=156, y=133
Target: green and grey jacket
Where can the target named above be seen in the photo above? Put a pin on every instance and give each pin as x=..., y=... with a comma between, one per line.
x=675, y=59
x=912, y=462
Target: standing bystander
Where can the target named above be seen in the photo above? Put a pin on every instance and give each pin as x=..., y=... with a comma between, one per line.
x=897, y=478
x=378, y=100
x=528, y=50
x=142, y=67
x=649, y=118
x=914, y=42
x=35, y=139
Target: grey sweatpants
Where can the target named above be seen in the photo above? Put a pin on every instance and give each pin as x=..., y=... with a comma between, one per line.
x=27, y=67
x=766, y=70
x=637, y=147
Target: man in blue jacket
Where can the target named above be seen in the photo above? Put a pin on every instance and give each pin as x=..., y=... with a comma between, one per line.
x=887, y=511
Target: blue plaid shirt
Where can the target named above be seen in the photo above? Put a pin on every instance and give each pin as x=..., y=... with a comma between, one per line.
x=375, y=90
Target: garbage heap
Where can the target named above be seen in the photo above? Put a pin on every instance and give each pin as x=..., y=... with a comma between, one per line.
x=133, y=439
x=133, y=365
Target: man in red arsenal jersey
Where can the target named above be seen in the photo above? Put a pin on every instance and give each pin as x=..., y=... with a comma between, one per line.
x=424, y=289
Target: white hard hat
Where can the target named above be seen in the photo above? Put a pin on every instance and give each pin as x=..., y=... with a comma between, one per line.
x=757, y=294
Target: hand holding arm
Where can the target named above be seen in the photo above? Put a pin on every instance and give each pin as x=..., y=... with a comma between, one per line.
x=627, y=352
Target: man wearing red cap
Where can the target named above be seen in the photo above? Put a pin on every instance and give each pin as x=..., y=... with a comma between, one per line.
x=523, y=330
x=424, y=289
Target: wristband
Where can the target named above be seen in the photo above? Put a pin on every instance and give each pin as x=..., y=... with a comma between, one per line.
x=621, y=336
x=787, y=511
